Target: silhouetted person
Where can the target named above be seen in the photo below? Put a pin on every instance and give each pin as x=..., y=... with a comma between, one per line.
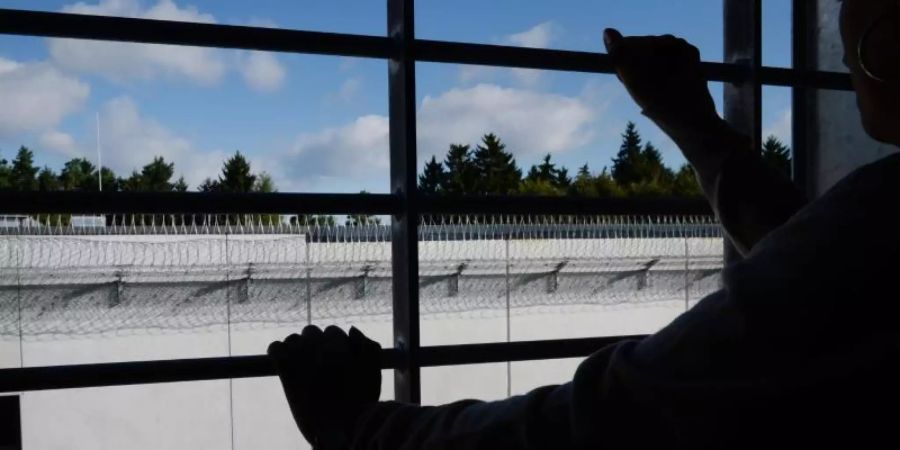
x=798, y=350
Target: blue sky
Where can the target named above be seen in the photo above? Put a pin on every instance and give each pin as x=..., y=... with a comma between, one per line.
x=319, y=123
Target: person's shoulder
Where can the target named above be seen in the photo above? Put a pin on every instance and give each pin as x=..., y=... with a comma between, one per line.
x=874, y=176
x=826, y=240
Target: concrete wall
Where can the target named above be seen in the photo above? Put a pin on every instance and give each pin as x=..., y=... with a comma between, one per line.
x=842, y=144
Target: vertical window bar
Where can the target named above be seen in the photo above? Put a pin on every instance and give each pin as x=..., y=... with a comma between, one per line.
x=743, y=101
x=803, y=11
x=10, y=423
x=404, y=236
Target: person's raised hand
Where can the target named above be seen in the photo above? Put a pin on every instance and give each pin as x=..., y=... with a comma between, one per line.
x=663, y=75
x=329, y=378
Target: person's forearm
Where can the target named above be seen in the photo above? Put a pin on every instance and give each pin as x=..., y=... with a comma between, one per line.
x=536, y=421
x=750, y=198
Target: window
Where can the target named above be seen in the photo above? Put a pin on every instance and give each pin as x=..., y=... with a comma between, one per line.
x=392, y=276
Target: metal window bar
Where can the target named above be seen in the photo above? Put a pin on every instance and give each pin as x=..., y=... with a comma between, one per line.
x=404, y=227
x=802, y=97
x=743, y=99
x=402, y=50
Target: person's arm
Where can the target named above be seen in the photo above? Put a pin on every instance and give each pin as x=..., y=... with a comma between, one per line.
x=750, y=198
x=540, y=420
x=663, y=76
x=332, y=382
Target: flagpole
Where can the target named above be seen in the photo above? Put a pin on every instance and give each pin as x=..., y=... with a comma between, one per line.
x=99, y=158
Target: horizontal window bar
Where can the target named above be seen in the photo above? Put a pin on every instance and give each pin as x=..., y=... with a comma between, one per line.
x=181, y=370
x=80, y=26
x=536, y=58
x=194, y=203
x=455, y=355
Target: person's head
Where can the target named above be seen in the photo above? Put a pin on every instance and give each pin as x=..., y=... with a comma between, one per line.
x=870, y=30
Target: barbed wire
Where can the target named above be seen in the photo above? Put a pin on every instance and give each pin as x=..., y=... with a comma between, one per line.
x=59, y=281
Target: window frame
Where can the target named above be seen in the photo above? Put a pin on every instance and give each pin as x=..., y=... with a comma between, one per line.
x=741, y=70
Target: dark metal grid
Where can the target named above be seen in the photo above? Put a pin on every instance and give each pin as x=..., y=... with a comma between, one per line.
x=33, y=23
x=404, y=235
x=403, y=50
x=802, y=97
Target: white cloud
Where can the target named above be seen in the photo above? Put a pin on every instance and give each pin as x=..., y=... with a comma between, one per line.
x=469, y=73
x=358, y=150
x=527, y=77
x=262, y=22
x=539, y=36
x=122, y=62
x=349, y=89
x=262, y=71
x=8, y=65
x=163, y=10
x=356, y=155
x=36, y=96
x=531, y=123
x=781, y=128
x=59, y=142
x=130, y=140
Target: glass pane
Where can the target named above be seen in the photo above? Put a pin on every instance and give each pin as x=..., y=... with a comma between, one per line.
x=319, y=15
x=10, y=350
x=705, y=262
x=89, y=296
x=188, y=286
x=604, y=276
x=350, y=277
x=778, y=115
x=442, y=385
x=320, y=269
x=262, y=418
x=462, y=288
x=250, y=413
x=570, y=24
x=190, y=119
x=578, y=119
x=493, y=279
x=272, y=298
x=556, y=284
x=184, y=416
x=776, y=33
x=529, y=375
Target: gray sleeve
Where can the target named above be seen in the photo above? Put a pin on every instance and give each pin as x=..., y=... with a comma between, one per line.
x=749, y=198
x=541, y=419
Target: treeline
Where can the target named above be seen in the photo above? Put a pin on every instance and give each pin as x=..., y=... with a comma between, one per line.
x=80, y=174
x=636, y=170
x=487, y=169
